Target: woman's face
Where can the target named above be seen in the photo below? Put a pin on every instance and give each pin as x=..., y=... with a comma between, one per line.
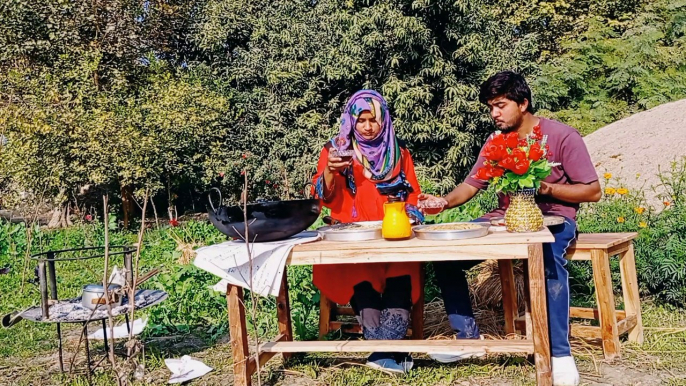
x=367, y=126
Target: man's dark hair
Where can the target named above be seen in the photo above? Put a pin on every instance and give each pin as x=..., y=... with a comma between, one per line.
x=506, y=84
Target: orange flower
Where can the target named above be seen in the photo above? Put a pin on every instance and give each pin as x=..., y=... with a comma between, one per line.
x=607, y=176
x=620, y=219
x=643, y=224
x=667, y=203
x=610, y=191
x=622, y=191
x=639, y=210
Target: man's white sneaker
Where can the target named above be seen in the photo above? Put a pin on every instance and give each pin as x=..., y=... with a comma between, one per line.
x=450, y=357
x=565, y=372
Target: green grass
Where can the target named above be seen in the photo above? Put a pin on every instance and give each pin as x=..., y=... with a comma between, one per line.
x=662, y=356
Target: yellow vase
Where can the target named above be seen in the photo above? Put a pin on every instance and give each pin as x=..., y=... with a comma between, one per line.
x=523, y=215
x=396, y=223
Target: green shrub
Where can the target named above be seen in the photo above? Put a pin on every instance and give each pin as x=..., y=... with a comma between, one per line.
x=661, y=245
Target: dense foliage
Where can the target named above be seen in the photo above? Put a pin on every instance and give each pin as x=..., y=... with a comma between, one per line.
x=169, y=95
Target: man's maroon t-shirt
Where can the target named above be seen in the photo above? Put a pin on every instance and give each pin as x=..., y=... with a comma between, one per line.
x=569, y=150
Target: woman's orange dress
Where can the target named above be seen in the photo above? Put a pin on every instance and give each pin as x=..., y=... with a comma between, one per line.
x=336, y=281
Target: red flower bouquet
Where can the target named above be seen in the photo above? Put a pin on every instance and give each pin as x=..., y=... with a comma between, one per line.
x=514, y=164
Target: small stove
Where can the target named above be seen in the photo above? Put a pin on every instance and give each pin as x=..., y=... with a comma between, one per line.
x=54, y=310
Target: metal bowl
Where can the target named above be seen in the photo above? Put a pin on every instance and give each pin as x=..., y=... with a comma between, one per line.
x=331, y=232
x=426, y=233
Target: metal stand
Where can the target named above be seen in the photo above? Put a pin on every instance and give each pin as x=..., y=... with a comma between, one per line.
x=47, y=279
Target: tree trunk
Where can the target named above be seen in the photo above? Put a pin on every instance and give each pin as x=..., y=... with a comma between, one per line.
x=60, y=215
x=127, y=203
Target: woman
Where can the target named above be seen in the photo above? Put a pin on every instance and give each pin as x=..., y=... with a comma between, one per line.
x=355, y=189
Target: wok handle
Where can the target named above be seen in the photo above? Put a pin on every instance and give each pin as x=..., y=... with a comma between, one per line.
x=209, y=198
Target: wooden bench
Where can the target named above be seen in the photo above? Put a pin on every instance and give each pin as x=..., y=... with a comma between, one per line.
x=596, y=247
x=599, y=248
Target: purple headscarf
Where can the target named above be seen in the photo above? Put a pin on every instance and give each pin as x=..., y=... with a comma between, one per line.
x=379, y=156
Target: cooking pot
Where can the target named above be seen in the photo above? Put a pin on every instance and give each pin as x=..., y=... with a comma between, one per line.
x=93, y=296
x=267, y=220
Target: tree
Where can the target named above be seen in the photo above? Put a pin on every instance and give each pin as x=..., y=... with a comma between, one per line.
x=606, y=75
x=292, y=64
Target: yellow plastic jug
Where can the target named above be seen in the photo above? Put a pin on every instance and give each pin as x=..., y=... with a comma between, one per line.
x=396, y=223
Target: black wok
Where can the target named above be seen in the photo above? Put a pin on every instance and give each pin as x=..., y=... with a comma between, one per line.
x=267, y=220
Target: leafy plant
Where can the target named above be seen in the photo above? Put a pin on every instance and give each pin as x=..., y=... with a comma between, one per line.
x=661, y=245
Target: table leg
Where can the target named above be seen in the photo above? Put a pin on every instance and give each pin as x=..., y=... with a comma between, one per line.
x=539, y=315
x=239, y=335
x=527, y=302
x=509, y=294
x=632, y=302
x=283, y=311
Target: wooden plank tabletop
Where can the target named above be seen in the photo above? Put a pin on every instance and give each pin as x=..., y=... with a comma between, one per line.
x=499, y=244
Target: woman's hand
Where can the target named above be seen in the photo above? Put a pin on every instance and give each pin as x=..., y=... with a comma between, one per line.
x=430, y=204
x=336, y=163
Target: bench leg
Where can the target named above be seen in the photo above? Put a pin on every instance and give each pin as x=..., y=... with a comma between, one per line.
x=632, y=302
x=239, y=335
x=606, y=303
x=418, y=311
x=539, y=316
x=509, y=294
x=283, y=311
x=325, y=307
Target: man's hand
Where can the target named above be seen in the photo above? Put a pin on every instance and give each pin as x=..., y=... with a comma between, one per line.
x=572, y=193
x=430, y=204
x=546, y=189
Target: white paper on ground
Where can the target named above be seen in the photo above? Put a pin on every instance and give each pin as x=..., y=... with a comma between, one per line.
x=121, y=331
x=230, y=262
x=185, y=369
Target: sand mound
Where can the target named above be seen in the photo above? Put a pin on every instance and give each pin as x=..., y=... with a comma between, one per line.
x=634, y=149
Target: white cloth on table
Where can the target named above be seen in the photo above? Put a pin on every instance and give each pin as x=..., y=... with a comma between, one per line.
x=231, y=262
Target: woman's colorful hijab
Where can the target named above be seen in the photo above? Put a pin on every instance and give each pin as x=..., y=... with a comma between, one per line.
x=379, y=156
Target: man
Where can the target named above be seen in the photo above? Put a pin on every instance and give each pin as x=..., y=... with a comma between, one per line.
x=572, y=182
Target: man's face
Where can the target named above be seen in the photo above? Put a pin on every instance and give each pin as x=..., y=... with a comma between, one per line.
x=507, y=114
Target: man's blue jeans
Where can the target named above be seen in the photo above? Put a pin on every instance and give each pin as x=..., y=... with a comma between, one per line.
x=453, y=284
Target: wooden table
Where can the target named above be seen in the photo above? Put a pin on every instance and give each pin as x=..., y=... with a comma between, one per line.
x=502, y=246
